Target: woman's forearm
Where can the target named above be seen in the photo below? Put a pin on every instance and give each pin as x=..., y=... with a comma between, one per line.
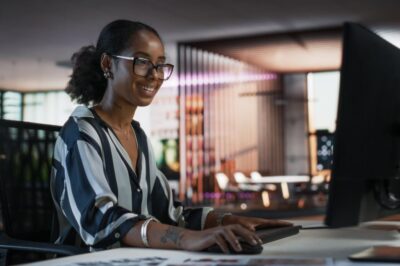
x=171, y=237
x=158, y=236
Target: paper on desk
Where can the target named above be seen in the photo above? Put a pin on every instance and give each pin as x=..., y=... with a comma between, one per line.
x=208, y=261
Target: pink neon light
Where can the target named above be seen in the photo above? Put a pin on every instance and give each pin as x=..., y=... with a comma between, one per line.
x=193, y=79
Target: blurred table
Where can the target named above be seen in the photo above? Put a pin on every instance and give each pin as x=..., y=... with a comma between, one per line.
x=313, y=246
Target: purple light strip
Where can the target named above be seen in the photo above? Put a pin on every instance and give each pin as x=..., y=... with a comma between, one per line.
x=193, y=79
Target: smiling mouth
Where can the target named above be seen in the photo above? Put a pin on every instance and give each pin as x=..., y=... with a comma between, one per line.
x=148, y=88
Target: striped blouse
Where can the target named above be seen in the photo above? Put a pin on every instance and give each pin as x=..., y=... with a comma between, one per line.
x=97, y=193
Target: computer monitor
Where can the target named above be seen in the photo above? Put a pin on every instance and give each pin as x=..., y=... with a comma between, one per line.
x=365, y=182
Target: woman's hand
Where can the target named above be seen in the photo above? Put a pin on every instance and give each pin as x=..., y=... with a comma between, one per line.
x=252, y=222
x=223, y=236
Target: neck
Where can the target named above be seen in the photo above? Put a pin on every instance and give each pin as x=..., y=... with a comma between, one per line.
x=117, y=113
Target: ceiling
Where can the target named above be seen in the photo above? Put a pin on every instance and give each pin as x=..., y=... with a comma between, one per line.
x=37, y=33
x=293, y=51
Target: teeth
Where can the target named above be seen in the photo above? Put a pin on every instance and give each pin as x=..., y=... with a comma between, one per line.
x=150, y=89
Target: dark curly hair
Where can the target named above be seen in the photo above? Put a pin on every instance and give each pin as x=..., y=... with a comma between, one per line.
x=87, y=84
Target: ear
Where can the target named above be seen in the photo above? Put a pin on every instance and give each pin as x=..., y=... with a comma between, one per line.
x=105, y=62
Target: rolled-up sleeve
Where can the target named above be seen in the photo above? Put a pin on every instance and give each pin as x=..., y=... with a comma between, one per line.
x=188, y=217
x=195, y=218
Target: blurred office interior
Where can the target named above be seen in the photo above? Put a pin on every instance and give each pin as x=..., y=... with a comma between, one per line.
x=246, y=122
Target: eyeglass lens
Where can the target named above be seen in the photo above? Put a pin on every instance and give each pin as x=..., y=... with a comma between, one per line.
x=143, y=66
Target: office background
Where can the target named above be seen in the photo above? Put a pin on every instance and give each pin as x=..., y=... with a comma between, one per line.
x=255, y=87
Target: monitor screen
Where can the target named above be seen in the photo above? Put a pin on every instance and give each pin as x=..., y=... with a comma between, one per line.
x=365, y=181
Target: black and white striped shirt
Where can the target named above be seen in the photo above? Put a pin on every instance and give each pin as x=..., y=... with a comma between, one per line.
x=98, y=195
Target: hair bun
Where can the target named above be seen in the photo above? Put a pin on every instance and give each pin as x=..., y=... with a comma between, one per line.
x=87, y=84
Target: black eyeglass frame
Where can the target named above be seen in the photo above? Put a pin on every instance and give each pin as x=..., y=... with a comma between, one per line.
x=156, y=67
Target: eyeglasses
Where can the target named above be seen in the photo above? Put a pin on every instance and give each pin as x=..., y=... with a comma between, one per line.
x=142, y=66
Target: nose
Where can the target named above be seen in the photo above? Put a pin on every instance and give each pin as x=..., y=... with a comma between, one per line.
x=152, y=73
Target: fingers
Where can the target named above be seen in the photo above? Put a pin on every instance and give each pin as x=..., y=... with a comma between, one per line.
x=254, y=223
x=232, y=239
x=265, y=223
x=279, y=223
x=285, y=223
x=249, y=236
x=230, y=235
x=249, y=226
x=221, y=243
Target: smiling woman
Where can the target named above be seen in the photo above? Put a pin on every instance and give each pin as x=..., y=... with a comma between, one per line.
x=105, y=183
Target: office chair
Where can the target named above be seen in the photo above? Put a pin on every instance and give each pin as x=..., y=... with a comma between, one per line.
x=28, y=213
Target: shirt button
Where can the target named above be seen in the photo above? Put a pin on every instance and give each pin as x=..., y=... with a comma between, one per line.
x=117, y=235
x=138, y=190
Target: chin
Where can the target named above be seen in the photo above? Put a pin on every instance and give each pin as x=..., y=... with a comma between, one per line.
x=145, y=102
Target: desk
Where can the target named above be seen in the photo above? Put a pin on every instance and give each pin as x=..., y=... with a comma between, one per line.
x=311, y=243
x=280, y=179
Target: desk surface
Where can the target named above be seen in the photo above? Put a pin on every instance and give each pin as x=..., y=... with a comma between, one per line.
x=326, y=246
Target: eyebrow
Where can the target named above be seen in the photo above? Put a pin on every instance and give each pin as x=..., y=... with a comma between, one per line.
x=148, y=56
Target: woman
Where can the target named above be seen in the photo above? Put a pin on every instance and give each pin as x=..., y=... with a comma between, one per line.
x=106, y=186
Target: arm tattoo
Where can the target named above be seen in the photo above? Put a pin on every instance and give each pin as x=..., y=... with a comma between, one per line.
x=172, y=234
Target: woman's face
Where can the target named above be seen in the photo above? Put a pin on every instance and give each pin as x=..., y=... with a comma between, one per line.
x=134, y=89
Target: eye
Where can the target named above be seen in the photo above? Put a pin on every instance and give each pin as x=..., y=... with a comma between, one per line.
x=142, y=61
